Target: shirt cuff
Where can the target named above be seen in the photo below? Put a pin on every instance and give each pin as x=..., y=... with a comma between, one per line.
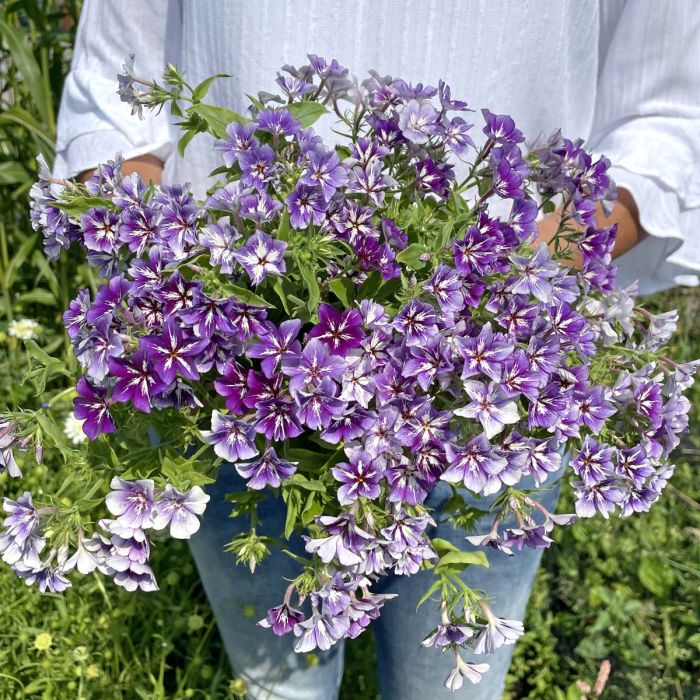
x=87, y=151
x=670, y=254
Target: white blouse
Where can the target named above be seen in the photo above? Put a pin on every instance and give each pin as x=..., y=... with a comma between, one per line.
x=623, y=74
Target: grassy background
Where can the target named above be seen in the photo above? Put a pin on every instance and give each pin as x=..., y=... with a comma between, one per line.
x=626, y=590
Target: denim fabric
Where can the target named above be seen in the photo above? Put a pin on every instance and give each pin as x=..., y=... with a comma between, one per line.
x=406, y=670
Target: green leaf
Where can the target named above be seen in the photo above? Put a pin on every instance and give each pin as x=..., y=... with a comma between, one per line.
x=443, y=546
x=300, y=481
x=37, y=296
x=244, y=295
x=656, y=576
x=433, y=589
x=292, y=512
x=218, y=118
x=309, y=277
x=306, y=457
x=13, y=173
x=344, y=289
x=203, y=88
x=283, y=229
x=411, y=256
x=185, y=141
x=460, y=560
x=21, y=117
x=18, y=259
x=278, y=288
x=23, y=58
x=255, y=102
x=77, y=204
x=306, y=113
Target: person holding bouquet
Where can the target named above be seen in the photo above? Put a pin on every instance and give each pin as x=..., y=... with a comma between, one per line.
x=622, y=74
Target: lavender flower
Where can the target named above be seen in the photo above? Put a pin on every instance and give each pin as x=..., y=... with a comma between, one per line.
x=262, y=256
x=179, y=511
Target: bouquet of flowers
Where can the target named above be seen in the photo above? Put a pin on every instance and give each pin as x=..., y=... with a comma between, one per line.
x=345, y=326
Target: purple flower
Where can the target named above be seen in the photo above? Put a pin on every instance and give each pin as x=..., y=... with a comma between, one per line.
x=277, y=420
x=543, y=459
x=240, y=138
x=219, y=238
x=547, y=410
x=360, y=476
x=91, y=406
x=269, y=470
x=649, y=402
x=480, y=248
x=416, y=322
x=370, y=181
x=417, y=121
x=594, y=409
x=594, y=463
x=259, y=207
x=282, y=619
x=232, y=385
x=601, y=497
x=633, y=464
x=428, y=362
x=496, y=633
x=179, y=511
x=518, y=377
x=533, y=274
x=346, y=539
x=262, y=256
x=449, y=634
x=101, y=343
x=425, y=426
x=350, y=426
x=324, y=170
x=432, y=176
x=278, y=122
x=276, y=345
x=501, y=128
x=318, y=404
x=108, y=299
x=21, y=541
x=490, y=406
x=177, y=293
x=485, y=353
x=313, y=365
x=47, y=578
x=340, y=332
x=454, y=132
x=132, y=502
x=446, y=286
x=472, y=465
x=257, y=166
x=319, y=632
x=522, y=218
x=100, y=229
x=355, y=223
x=137, y=382
x=173, y=352
x=233, y=439
x=138, y=227
x=75, y=318
x=306, y=204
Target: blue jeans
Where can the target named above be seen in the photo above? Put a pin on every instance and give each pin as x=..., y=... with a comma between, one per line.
x=406, y=670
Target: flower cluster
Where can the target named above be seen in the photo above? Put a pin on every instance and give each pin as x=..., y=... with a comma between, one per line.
x=121, y=551
x=364, y=302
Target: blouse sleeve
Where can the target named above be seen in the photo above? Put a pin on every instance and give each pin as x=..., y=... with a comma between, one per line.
x=647, y=121
x=93, y=124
